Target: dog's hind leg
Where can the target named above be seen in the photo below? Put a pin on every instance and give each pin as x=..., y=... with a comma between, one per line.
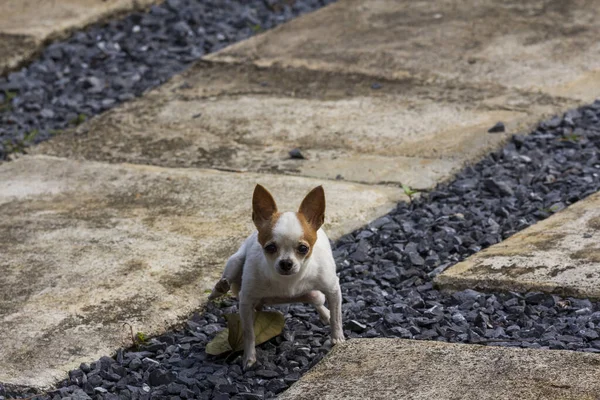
x=232, y=275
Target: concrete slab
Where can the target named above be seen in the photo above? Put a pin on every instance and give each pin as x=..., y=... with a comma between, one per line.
x=425, y=370
x=558, y=255
x=535, y=45
x=88, y=246
x=26, y=25
x=241, y=117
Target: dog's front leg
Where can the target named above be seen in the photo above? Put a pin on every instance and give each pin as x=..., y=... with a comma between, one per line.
x=247, y=321
x=334, y=298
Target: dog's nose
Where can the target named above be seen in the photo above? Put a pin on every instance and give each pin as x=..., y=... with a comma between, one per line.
x=286, y=264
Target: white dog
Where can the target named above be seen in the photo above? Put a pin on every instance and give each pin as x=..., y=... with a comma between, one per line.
x=287, y=260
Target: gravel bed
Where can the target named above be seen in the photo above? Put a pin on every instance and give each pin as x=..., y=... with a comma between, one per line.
x=96, y=69
x=386, y=271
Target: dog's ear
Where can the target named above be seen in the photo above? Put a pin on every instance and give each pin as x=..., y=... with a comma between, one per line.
x=263, y=206
x=313, y=207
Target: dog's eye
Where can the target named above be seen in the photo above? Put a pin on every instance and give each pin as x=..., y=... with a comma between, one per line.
x=271, y=248
x=302, y=249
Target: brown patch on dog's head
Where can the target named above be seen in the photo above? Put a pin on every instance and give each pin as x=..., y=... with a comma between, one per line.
x=310, y=235
x=312, y=215
x=264, y=214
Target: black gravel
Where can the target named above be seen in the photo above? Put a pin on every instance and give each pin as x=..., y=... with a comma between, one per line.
x=386, y=273
x=97, y=69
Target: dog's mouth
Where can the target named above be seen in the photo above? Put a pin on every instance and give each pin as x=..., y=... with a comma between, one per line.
x=286, y=273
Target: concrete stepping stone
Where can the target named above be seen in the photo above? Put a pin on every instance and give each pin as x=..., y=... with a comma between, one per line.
x=533, y=45
x=88, y=246
x=240, y=117
x=559, y=255
x=424, y=370
x=26, y=25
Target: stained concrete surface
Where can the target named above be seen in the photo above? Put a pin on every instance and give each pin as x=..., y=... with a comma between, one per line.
x=370, y=91
x=425, y=370
x=88, y=246
x=536, y=45
x=241, y=117
x=26, y=25
x=558, y=255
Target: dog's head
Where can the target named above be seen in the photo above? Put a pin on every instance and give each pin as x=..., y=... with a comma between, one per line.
x=287, y=238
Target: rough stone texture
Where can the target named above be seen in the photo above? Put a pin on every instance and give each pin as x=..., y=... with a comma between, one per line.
x=111, y=62
x=386, y=270
x=26, y=25
x=536, y=45
x=242, y=117
x=87, y=247
x=559, y=255
x=406, y=369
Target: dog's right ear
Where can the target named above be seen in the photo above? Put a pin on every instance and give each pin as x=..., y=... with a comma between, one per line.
x=263, y=206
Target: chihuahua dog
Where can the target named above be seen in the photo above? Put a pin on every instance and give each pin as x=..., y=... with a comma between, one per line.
x=287, y=259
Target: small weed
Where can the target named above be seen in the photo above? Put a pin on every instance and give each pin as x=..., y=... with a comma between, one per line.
x=256, y=28
x=570, y=138
x=139, y=339
x=14, y=147
x=30, y=136
x=78, y=120
x=7, y=104
x=55, y=132
x=410, y=192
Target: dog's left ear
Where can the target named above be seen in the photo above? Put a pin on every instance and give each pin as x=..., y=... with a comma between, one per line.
x=313, y=207
x=263, y=206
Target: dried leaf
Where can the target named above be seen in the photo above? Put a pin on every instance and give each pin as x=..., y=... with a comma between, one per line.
x=267, y=325
x=219, y=344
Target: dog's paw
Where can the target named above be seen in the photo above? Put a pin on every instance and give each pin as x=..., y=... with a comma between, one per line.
x=220, y=289
x=249, y=362
x=337, y=338
x=338, y=341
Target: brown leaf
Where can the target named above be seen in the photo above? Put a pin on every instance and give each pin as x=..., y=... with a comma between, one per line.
x=267, y=325
x=219, y=344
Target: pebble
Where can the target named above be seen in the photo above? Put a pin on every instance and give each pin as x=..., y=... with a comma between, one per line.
x=355, y=326
x=499, y=127
x=296, y=154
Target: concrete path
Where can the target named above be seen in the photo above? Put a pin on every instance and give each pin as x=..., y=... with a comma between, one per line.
x=241, y=117
x=537, y=45
x=420, y=370
x=27, y=25
x=87, y=247
x=558, y=255
x=369, y=91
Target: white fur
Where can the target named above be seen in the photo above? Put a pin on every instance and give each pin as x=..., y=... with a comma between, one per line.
x=257, y=275
x=288, y=226
x=287, y=233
